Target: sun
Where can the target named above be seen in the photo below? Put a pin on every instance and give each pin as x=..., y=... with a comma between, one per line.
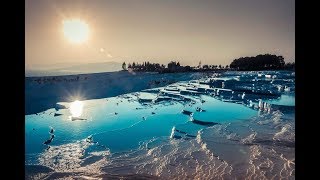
x=76, y=30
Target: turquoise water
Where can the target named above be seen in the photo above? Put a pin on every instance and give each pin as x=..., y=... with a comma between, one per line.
x=132, y=124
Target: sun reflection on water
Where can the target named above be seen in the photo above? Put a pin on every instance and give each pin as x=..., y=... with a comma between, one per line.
x=76, y=108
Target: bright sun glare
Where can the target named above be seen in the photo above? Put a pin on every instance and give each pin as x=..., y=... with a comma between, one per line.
x=76, y=108
x=76, y=30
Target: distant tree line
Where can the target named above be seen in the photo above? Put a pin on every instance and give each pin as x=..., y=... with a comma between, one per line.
x=171, y=67
x=261, y=62
x=145, y=66
x=257, y=63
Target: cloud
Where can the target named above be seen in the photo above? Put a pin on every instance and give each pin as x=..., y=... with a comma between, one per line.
x=109, y=55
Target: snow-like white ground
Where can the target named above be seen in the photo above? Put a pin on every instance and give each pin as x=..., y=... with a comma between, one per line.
x=150, y=131
x=42, y=93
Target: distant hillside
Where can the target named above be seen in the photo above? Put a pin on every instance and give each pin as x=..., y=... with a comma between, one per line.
x=74, y=69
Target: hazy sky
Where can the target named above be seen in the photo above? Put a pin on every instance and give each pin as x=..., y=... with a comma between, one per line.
x=213, y=31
